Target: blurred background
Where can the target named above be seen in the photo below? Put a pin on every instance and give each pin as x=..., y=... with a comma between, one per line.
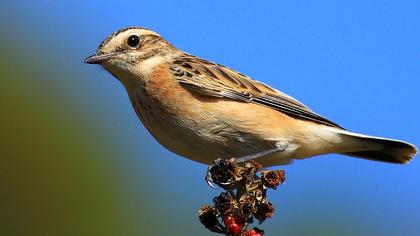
x=74, y=159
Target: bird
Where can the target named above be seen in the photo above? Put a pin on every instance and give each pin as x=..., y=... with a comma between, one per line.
x=204, y=111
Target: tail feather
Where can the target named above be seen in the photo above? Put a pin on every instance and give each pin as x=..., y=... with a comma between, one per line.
x=380, y=149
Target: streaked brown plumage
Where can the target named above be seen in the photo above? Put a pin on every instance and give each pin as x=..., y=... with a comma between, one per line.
x=202, y=110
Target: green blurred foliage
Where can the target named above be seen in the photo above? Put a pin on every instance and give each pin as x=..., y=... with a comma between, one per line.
x=57, y=175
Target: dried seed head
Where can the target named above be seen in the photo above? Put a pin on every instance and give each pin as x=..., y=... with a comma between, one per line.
x=272, y=178
x=245, y=197
x=265, y=210
x=256, y=165
x=247, y=172
x=247, y=206
x=223, y=173
x=224, y=203
x=208, y=217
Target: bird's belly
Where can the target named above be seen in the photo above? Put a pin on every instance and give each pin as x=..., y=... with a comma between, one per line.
x=197, y=134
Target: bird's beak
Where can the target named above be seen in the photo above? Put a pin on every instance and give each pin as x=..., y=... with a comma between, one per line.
x=99, y=58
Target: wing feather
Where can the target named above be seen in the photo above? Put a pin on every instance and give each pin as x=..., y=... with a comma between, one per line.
x=211, y=79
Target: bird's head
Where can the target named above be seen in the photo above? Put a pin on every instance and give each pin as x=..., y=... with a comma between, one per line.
x=131, y=51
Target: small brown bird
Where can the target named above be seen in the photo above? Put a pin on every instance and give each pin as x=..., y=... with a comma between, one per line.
x=203, y=110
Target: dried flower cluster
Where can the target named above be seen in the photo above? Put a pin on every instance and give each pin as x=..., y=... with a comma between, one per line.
x=244, y=200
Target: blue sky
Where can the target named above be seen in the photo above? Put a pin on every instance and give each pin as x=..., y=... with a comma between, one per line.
x=355, y=62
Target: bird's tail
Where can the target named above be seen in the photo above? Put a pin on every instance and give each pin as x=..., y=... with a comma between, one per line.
x=377, y=148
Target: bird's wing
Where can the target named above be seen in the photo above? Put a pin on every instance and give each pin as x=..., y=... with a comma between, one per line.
x=211, y=79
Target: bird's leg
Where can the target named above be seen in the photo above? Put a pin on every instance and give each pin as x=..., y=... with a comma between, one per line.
x=280, y=147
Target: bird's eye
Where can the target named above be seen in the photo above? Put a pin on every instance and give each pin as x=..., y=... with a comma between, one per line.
x=133, y=41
